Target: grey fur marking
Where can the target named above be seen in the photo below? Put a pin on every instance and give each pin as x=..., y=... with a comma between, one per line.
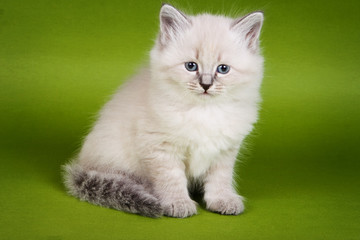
x=119, y=191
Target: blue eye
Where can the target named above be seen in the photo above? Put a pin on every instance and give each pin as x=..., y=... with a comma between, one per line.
x=223, y=69
x=191, y=66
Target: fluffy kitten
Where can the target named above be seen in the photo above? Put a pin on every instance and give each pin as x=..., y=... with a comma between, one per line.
x=179, y=122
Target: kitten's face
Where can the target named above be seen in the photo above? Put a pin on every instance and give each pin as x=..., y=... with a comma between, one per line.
x=207, y=56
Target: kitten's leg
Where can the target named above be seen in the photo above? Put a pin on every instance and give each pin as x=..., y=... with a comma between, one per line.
x=166, y=170
x=220, y=195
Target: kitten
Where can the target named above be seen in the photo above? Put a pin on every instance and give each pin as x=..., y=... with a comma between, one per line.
x=177, y=123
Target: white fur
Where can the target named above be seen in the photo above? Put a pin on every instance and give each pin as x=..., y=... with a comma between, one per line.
x=160, y=124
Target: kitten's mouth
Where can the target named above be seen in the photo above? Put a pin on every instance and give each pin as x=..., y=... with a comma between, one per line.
x=205, y=93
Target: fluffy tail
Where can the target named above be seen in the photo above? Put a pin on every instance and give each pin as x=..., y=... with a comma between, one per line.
x=119, y=191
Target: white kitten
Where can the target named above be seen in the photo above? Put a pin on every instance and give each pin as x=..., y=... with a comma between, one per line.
x=179, y=122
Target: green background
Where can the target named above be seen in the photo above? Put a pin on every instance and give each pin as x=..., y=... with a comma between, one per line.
x=61, y=60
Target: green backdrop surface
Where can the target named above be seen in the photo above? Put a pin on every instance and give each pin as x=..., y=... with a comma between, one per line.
x=61, y=60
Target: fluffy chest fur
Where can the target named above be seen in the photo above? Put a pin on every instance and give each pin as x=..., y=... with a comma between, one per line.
x=207, y=133
x=203, y=132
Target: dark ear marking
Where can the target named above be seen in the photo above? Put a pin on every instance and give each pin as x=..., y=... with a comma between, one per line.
x=172, y=21
x=249, y=28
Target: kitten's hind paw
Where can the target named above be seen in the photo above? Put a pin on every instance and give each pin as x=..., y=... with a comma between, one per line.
x=227, y=205
x=180, y=208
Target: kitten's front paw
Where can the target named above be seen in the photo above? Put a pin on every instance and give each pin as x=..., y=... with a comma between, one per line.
x=227, y=204
x=179, y=208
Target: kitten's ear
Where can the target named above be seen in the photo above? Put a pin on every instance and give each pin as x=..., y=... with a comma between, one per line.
x=249, y=28
x=172, y=21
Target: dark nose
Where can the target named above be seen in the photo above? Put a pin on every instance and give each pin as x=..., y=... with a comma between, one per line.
x=206, y=80
x=205, y=86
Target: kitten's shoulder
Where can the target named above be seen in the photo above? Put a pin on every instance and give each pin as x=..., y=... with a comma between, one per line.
x=137, y=81
x=135, y=86
x=131, y=94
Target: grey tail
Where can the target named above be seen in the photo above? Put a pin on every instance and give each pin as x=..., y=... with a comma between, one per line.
x=121, y=191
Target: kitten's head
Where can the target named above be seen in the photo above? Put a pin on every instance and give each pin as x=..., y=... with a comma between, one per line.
x=207, y=56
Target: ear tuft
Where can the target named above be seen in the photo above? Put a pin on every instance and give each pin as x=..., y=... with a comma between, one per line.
x=249, y=28
x=172, y=22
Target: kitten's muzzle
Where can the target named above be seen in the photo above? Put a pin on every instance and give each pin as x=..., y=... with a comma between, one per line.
x=206, y=80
